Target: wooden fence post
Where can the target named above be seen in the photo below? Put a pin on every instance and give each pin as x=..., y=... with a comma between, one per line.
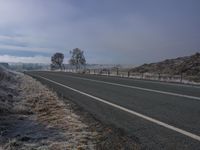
x=181, y=77
x=159, y=76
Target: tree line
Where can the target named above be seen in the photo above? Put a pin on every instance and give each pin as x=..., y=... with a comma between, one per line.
x=77, y=59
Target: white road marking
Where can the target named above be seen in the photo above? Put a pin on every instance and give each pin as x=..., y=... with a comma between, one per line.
x=138, y=88
x=186, y=133
x=165, y=83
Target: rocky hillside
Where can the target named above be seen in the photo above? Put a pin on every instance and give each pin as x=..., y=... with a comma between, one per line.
x=189, y=66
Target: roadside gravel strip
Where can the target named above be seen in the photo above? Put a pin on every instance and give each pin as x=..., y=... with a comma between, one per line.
x=36, y=118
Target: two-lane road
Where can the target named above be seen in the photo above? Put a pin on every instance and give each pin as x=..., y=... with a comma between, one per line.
x=160, y=115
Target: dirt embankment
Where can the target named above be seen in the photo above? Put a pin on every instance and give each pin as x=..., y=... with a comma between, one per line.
x=33, y=117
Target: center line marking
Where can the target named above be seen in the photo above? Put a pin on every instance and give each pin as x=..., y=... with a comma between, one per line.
x=186, y=133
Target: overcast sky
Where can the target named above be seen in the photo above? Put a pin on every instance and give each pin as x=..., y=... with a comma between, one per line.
x=109, y=31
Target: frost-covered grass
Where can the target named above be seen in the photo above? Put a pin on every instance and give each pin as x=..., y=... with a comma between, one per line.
x=43, y=110
x=54, y=113
x=34, y=117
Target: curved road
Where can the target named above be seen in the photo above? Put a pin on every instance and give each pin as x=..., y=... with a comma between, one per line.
x=159, y=115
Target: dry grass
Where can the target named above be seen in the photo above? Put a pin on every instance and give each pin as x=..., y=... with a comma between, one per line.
x=54, y=113
x=39, y=119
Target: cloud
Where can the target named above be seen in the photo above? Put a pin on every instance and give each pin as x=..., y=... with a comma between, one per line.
x=21, y=48
x=32, y=59
x=127, y=32
x=33, y=12
x=16, y=59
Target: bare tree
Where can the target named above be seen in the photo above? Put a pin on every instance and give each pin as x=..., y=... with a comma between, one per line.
x=57, y=61
x=77, y=58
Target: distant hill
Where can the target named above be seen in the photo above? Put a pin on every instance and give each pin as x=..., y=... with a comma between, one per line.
x=189, y=66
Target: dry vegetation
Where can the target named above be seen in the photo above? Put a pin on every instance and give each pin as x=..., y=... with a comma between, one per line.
x=189, y=66
x=33, y=117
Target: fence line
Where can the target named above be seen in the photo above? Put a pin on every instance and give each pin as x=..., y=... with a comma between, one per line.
x=145, y=76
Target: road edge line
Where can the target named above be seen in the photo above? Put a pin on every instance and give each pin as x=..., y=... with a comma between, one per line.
x=139, y=88
x=186, y=133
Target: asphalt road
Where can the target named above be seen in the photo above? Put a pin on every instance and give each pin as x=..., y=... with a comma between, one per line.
x=158, y=115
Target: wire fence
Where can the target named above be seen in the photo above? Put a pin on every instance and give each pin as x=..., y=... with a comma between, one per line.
x=181, y=78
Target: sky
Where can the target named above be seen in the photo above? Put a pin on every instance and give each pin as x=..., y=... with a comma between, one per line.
x=108, y=31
